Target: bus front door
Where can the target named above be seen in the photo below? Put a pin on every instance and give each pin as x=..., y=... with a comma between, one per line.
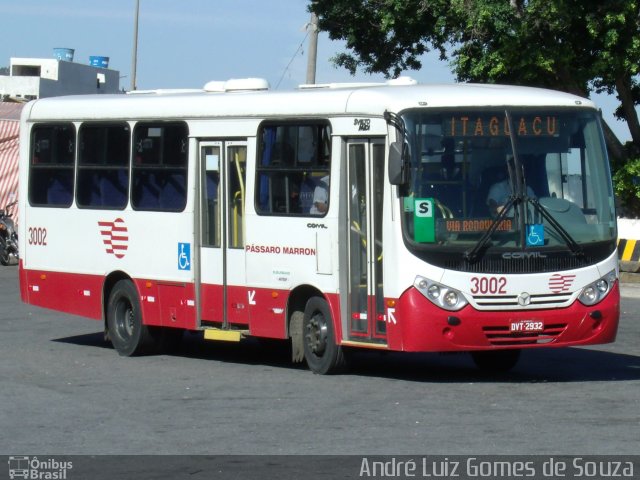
x=365, y=188
x=222, y=292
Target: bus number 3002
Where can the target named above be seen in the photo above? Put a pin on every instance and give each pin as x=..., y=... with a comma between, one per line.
x=37, y=236
x=488, y=285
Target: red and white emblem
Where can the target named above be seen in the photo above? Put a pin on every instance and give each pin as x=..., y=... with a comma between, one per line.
x=560, y=283
x=115, y=236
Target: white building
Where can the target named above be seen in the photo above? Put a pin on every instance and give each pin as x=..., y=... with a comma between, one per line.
x=32, y=78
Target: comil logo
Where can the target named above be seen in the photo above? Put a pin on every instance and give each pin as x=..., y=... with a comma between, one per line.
x=34, y=468
x=115, y=236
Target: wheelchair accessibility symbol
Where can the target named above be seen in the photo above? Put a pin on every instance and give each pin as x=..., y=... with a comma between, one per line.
x=535, y=235
x=184, y=256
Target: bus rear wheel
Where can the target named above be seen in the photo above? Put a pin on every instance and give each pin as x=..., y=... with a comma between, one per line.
x=128, y=334
x=321, y=351
x=496, y=360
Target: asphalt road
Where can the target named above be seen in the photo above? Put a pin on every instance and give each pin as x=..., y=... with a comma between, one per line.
x=64, y=391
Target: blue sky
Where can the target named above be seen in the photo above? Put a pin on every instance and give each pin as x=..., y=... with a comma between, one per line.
x=185, y=43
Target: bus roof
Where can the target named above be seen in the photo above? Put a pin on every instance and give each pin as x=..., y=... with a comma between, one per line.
x=336, y=99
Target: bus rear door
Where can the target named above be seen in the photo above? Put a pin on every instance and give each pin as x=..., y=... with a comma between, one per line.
x=366, y=319
x=222, y=279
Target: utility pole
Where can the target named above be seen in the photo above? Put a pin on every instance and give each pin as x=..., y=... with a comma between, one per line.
x=134, y=56
x=313, y=50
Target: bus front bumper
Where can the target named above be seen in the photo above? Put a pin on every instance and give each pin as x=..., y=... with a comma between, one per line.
x=421, y=326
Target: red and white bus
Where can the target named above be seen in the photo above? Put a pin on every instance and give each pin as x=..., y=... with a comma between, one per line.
x=397, y=216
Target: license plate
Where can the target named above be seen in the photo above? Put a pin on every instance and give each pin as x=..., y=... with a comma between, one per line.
x=527, y=326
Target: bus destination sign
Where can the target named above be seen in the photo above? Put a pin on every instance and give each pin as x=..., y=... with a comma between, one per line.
x=494, y=126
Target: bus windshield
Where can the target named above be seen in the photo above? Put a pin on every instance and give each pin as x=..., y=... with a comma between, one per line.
x=496, y=181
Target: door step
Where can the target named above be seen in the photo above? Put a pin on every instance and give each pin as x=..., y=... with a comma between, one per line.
x=366, y=344
x=224, y=335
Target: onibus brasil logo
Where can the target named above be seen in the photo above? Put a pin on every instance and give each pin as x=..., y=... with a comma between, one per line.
x=37, y=469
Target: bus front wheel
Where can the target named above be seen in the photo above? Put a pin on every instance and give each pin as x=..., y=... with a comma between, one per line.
x=321, y=351
x=496, y=360
x=128, y=334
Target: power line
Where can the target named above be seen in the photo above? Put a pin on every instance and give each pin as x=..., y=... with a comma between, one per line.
x=300, y=47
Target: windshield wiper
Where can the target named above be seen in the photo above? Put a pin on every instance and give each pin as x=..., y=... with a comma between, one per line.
x=574, y=246
x=472, y=255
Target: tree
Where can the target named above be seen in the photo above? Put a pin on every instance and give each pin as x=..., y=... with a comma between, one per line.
x=577, y=46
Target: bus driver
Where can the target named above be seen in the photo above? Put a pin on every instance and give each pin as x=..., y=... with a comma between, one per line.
x=499, y=194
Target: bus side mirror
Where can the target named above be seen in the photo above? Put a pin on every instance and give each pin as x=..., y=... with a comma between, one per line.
x=398, y=163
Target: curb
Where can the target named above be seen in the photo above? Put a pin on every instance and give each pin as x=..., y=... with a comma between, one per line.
x=629, y=271
x=626, y=277
x=629, y=266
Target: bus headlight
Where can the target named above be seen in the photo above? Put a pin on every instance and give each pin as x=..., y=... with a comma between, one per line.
x=596, y=291
x=440, y=295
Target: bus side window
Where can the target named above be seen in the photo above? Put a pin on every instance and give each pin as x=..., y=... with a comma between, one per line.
x=114, y=187
x=293, y=164
x=145, y=191
x=60, y=189
x=52, y=165
x=159, y=175
x=172, y=193
x=103, y=165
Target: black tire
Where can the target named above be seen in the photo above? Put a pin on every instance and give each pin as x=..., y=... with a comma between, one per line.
x=4, y=255
x=321, y=352
x=127, y=333
x=496, y=361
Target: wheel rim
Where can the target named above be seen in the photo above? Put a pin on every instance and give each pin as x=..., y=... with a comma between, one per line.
x=124, y=319
x=316, y=334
